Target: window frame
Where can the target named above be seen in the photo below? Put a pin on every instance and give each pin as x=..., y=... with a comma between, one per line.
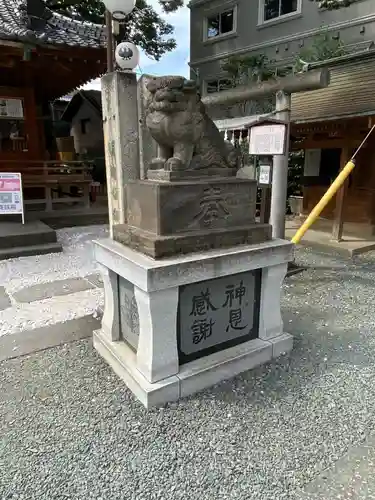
x=220, y=36
x=208, y=80
x=279, y=19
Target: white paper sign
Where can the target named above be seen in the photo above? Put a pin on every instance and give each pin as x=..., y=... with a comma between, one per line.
x=267, y=139
x=11, y=108
x=264, y=174
x=11, y=201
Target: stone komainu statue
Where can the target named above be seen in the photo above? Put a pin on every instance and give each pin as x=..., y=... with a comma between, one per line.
x=186, y=136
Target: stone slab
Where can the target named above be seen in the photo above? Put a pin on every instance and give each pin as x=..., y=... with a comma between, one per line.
x=217, y=313
x=151, y=275
x=38, y=339
x=29, y=250
x=183, y=175
x=16, y=234
x=4, y=299
x=211, y=370
x=281, y=344
x=95, y=279
x=193, y=377
x=158, y=247
x=319, y=240
x=185, y=207
x=51, y=289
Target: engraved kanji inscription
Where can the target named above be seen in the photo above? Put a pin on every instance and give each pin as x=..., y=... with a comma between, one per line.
x=216, y=312
x=201, y=330
x=201, y=304
x=212, y=207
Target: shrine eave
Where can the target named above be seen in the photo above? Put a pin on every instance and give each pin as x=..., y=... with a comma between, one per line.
x=30, y=21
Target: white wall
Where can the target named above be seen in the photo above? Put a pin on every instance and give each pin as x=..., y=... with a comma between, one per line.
x=93, y=138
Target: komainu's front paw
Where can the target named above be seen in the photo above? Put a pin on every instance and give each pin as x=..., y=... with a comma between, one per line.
x=157, y=164
x=174, y=164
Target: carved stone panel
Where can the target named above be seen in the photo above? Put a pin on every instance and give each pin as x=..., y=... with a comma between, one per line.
x=174, y=208
x=217, y=314
x=129, y=318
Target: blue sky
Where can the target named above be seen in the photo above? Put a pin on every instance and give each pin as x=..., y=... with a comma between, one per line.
x=176, y=62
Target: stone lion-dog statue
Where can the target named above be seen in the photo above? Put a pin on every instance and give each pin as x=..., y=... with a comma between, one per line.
x=186, y=137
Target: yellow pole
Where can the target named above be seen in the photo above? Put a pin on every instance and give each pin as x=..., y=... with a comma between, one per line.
x=331, y=191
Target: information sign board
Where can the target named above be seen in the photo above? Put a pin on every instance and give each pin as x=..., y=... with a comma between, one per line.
x=267, y=139
x=11, y=199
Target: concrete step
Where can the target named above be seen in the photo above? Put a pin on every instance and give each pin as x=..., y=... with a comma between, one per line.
x=15, y=234
x=38, y=339
x=26, y=251
x=47, y=314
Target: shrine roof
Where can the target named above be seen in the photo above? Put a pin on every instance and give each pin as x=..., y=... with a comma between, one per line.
x=349, y=94
x=92, y=97
x=30, y=21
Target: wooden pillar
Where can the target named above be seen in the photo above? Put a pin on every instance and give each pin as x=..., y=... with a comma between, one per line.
x=338, y=220
x=265, y=204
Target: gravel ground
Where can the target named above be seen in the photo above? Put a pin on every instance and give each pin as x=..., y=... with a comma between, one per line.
x=50, y=311
x=76, y=260
x=71, y=430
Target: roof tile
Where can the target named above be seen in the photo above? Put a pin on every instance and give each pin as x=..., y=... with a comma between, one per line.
x=15, y=25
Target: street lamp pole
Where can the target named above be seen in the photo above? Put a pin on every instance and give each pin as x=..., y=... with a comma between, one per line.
x=108, y=23
x=115, y=10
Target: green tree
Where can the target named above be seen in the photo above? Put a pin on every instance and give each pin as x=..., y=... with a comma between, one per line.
x=323, y=47
x=333, y=4
x=144, y=26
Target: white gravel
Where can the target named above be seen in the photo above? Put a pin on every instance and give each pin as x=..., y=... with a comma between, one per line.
x=76, y=260
x=71, y=430
x=22, y=317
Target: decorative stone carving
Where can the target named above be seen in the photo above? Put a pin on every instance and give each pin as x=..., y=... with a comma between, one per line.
x=187, y=138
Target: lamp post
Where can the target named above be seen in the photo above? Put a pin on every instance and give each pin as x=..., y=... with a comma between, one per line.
x=115, y=10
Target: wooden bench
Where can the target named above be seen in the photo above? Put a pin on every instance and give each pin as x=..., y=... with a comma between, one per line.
x=57, y=178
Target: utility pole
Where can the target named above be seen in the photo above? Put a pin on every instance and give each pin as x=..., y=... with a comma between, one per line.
x=280, y=170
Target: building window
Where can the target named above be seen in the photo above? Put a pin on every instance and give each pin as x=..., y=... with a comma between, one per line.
x=84, y=124
x=220, y=24
x=275, y=9
x=218, y=85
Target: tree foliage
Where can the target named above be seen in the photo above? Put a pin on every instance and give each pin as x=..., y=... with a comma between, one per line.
x=333, y=4
x=144, y=26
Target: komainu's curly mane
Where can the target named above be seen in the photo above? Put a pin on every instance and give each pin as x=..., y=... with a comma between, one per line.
x=186, y=136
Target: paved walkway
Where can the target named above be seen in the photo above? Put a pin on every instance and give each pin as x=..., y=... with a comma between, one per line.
x=319, y=237
x=50, y=297
x=299, y=428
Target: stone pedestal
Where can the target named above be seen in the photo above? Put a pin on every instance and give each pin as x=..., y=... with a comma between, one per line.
x=171, y=218
x=174, y=326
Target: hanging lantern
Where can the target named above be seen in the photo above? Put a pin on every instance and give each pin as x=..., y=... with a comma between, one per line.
x=127, y=56
x=119, y=8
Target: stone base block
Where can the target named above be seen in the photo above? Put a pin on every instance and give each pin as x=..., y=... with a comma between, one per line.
x=193, y=377
x=169, y=208
x=199, y=241
x=174, y=326
x=122, y=360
